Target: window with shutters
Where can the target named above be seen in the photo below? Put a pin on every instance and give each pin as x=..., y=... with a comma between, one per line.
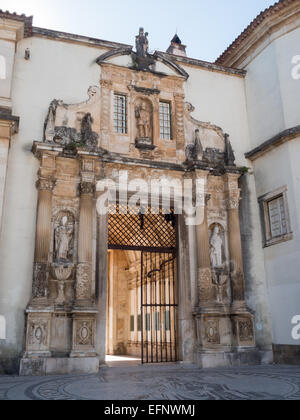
x=275, y=217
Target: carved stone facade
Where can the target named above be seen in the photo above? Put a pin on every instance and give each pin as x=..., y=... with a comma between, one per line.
x=81, y=145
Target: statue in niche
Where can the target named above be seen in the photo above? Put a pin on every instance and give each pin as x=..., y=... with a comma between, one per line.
x=63, y=239
x=216, y=248
x=142, y=43
x=143, y=120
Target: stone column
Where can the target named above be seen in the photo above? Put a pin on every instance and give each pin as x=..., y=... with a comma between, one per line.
x=85, y=245
x=84, y=312
x=235, y=243
x=205, y=285
x=241, y=318
x=43, y=239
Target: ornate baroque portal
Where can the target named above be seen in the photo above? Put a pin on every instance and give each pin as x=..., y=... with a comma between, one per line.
x=136, y=122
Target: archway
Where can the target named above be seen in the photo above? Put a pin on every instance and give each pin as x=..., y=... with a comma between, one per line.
x=142, y=298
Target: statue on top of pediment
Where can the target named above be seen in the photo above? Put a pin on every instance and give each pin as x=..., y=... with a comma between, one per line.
x=142, y=43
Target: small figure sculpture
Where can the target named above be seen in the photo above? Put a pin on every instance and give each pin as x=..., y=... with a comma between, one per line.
x=63, y=238
x=88, y=137
x=142, y=43
x=216, y=244
x=143, y=121
x=195, y=149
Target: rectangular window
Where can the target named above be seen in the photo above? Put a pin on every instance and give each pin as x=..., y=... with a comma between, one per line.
x=120, y=114
x=275, y=217
x=156, y=321
x=139, y=321
x=132, y=324
x=167, y=320
x=165, y=120
x=148, y=319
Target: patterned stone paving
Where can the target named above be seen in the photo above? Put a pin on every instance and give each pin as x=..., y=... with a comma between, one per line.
x=173, y=382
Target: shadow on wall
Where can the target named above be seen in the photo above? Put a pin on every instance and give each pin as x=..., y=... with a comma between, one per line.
x=2, y=328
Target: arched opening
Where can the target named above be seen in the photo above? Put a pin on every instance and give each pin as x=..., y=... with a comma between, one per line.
x=142, y=302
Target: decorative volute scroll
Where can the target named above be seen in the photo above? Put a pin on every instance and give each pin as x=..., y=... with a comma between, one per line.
x=206, y=142
x=74, y=124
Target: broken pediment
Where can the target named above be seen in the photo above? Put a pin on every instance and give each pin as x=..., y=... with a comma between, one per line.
x=76, y=123
x=141, y=60
x=206, y=142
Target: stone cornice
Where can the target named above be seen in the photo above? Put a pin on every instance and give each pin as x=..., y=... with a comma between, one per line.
x=260, y=31
x=118, y=159
x=65, y=36
x=275, y=141
x=14, y=17
x=11, y=120
x=205, y=65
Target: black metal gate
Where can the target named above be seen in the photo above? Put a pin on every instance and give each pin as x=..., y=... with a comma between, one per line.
x=154, y=235
x=158, y=307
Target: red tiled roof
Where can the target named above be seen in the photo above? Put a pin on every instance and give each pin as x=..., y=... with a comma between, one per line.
x=280, y=5
x=21, y=18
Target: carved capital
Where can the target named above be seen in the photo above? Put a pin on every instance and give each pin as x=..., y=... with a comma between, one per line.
x=233, y=199
x=106, y=84
x=45, y=184
x=87, y=188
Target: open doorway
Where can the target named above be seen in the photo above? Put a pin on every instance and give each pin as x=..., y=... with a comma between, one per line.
x=142, y=288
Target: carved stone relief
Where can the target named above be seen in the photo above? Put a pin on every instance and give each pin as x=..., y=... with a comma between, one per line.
x=212, y=331
x=246, y=330
x=38, y=333
x=83, y=281
x=40, y=281
x=215, y=147
x=74, y=124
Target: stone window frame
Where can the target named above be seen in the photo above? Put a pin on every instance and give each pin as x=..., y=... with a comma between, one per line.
x=169, y=103
x=264, y=200
x=120, y=94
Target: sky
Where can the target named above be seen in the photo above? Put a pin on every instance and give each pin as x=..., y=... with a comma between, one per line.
x=207, y=27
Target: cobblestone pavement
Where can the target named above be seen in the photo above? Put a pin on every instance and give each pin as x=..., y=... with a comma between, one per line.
x=173, y=382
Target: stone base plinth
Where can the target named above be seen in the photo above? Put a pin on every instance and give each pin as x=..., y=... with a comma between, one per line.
x=59, y=366
x=213, y=359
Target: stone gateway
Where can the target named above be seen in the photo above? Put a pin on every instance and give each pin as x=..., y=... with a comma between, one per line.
x=162, y=276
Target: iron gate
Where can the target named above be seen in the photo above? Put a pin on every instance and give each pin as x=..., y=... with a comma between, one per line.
x=154, y=235
x=158, y=307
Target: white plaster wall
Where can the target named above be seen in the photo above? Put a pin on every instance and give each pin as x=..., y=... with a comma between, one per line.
x=273, y=106
x=220, y=99
x=283, y=260
x=272, y=93
x=7, y=51
x=56, y=70
x=2, y=328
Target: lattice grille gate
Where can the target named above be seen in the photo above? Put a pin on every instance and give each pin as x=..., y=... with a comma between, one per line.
x=154, y=235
